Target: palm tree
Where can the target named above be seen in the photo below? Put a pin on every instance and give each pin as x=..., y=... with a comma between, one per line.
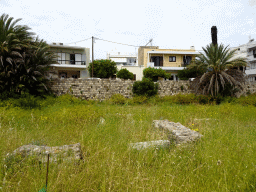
x=12, y=38
x=23, y=59
x=221, y=74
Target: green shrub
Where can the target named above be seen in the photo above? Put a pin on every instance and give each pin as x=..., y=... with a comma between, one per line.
x=68, y=99
x=103, y=68
x=117, y=99
x=247, y=100
x=153, y=73
x=204, y=99
x=145, y=87
x=125, y=74
x=185, y=74
x=185, y=99
x=27, y=101
x=138, y=99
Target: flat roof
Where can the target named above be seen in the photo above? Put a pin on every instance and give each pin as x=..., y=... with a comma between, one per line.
x=171, y=68
x=66, y=46
x=69, y=66
x=122, y=56
x=250, y=72
x=175, y=52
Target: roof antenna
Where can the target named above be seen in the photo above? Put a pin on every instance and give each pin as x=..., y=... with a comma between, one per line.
x=150, y=41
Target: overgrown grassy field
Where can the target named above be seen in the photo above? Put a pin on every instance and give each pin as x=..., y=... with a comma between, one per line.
x=223, y=160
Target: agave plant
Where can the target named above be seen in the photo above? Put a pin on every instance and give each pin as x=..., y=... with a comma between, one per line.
x=23, y=59
x=222, y=73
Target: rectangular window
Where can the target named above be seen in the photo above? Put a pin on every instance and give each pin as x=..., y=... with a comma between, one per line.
x=78, y=59
x=61, y=58
x=187, y=60
x=72, y=58
x=254, y=53
x=172, y=58
x=131, y=60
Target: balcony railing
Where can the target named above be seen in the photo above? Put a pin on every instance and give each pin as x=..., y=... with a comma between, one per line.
x=71, y=62
x=184, y=64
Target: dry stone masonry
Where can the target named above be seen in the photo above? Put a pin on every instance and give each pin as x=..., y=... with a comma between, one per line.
x=93, y=88
x=102, y=89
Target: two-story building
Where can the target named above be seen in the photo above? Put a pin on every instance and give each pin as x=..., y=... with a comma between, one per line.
x=251, y=58
x=72, y=61
x=170, y=60
x=248, y=51
x=123, y=58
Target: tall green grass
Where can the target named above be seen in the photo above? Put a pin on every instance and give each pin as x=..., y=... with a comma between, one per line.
x=223, y=160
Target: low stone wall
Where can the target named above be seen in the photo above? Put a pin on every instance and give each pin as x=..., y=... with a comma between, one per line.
x=173, y=87
x=104, y=88
x=92, y=88
x=251, y=88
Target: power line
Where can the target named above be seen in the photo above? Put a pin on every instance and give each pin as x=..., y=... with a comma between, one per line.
x=80, y=41
x=117, y=43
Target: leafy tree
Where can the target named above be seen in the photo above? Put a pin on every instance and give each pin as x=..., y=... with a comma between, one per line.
x=145, y=87
x=103, y=68
x=221, y=77
x=125, y=74
x=154, y=73
x=23, y=59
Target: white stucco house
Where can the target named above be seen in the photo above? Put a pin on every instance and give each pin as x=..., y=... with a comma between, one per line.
x=248, y=51
x=71, y=62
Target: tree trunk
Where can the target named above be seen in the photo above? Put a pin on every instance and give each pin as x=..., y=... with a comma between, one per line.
x=214, y=35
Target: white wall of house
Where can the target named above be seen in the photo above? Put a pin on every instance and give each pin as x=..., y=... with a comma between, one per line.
x=246, y=51
x=84, y=74
x=123, y=58
x=137, y=70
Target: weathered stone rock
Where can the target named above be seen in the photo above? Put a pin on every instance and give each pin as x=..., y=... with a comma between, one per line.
x=177, y=132
x=150, y=144
x=58, y=153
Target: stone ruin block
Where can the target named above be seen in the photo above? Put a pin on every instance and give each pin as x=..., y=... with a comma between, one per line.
x=177, y=133
x=150, y=144
x=57, y=153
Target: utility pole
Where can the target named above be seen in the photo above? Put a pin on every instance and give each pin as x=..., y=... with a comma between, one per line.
x=92, y=55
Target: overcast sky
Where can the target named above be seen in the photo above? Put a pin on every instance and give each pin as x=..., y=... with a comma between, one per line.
x=171, y=24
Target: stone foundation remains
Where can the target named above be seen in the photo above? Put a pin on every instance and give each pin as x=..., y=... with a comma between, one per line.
x=58, y=153
x=177, y=133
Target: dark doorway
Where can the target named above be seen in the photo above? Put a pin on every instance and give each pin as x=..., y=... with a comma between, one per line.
x=62, y=75
x=72, y=59
x=158, y=61
x=187, y=60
